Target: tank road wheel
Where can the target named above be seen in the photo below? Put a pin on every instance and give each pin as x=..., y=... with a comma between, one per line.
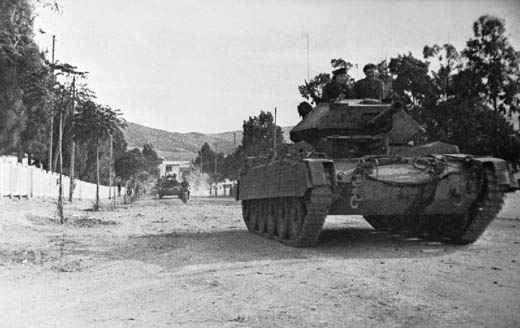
x=481, y=213
x=263, y=207
x=295, y=222
x=271, y=216
x=282, y=218
x=248, y=213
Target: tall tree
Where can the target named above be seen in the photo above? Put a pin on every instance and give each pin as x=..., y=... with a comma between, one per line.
x=494, y=64
x=259, y=133
x=152, y=160
x=23, y=75
x=411, y=81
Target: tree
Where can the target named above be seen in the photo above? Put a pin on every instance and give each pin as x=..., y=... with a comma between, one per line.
x=129, y=164
x=411, y=81
x=24, y=97
x=94, y=124
x=207, y=155
x=152, y=160
x=257, y=140
x=494, y=64
x=258, y=135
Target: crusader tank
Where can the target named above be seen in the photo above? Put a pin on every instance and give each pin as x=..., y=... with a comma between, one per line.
x=358, y=157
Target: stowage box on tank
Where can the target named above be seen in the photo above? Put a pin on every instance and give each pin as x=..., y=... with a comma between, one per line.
x=362, y=163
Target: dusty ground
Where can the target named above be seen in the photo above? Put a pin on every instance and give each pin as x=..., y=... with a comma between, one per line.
x=161, y=264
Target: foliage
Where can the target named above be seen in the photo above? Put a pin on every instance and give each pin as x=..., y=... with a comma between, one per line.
x=151, y=160
x=24, y=77
x=208, y=161
x=257, y=140
x=495, y=64
x=469, y=93
x=259, y=133
x=129, y=164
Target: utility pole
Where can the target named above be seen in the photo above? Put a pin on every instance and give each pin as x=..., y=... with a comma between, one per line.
x=60, y=156
x=52, y=107
x=215, y=158
x=201, y=170
x=73, y=150
x=110, y=169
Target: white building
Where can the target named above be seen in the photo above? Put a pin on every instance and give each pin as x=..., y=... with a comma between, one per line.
x=174, y=167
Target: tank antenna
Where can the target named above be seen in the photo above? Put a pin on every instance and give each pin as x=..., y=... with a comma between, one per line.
x=274, y=134
x=308, y=76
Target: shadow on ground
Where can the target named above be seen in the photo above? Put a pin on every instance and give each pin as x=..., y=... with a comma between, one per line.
x=180, y=249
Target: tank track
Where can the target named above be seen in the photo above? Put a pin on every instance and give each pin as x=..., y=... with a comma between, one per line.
x=295, y=221
x=452, y=229
x=481, y=213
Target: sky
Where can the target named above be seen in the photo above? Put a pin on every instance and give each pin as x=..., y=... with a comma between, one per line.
x=206, y=66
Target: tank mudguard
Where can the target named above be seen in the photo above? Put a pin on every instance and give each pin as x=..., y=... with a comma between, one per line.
x=284, y=178
x=502, y=169
x=321, y=172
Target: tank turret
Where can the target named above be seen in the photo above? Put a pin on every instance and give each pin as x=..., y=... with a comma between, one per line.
x=359, y=127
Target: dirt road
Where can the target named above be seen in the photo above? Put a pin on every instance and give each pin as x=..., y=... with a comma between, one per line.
x=166, y=264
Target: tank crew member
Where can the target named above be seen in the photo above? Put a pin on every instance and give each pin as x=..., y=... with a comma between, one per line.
x=304, y=108
x=337, y=89
x=370, y=86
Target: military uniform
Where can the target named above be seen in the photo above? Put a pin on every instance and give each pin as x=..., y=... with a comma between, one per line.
x=333, y=90
x=366, y=88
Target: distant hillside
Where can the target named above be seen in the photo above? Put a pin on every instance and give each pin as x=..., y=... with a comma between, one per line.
x=183, y=146
x=229, y=136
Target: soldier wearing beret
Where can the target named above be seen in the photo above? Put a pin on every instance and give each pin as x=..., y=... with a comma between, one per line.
x=337, y=89
x=370, y=86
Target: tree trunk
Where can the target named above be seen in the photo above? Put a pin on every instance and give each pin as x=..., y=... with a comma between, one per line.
x=56, y=156
x=73, y=154
x=50, y=143
x=60, y=189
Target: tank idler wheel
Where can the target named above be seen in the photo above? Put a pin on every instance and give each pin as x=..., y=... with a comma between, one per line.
x=271, y=216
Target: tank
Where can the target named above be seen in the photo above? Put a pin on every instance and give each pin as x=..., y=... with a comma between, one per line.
x=362, y=157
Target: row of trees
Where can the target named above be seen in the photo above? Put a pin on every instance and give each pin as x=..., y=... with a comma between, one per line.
x=48, y=112
x=469, y=98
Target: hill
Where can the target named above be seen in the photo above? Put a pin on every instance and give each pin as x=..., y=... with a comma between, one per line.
x=183, y=146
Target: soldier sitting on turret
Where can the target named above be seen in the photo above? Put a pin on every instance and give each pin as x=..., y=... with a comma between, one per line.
x=338, y=88
x=370, y=86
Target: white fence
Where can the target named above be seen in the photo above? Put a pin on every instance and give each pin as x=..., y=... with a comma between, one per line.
x=19, y=180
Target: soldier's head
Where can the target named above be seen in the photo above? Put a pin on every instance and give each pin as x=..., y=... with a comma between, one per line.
x=340, y=75
x=370, y=71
